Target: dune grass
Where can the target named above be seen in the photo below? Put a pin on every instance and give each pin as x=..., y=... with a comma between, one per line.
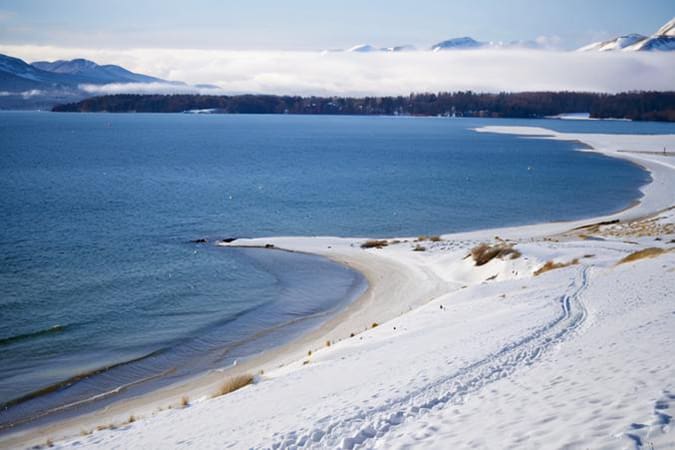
x=484, y=253
x=233, y=384
x=374, y=243
x=550, y=265
x=650, y=252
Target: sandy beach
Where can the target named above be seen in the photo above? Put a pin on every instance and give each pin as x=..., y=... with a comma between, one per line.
x=553, y=343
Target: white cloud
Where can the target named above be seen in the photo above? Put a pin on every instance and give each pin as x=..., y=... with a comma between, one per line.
x=24, y=94
x=284, y=72
x=148, y=88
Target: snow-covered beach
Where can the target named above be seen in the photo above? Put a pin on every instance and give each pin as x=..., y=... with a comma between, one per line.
x=441, y=352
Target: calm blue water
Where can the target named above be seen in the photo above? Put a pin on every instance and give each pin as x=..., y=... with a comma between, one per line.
x=98, y=211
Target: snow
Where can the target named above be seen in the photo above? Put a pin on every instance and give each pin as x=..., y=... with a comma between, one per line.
x=572, y=116
x=464, y=356
x=668, y=29
x=618, y=43
x=655, y=43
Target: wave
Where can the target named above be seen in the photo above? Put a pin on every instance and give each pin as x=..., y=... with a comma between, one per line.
x=55, y=329
x=75, y=379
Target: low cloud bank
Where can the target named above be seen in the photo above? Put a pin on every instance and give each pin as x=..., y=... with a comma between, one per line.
x=339, y=73
x=148, y=88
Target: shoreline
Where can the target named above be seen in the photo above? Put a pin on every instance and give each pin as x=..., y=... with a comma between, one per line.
x=401, y=279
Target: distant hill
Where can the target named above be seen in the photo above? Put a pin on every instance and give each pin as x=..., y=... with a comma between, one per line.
x=43, y=84
x=634, y=105
x=96, y=74
x=461, y=43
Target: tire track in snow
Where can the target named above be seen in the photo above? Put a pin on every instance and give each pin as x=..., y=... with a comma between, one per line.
x=365, y=425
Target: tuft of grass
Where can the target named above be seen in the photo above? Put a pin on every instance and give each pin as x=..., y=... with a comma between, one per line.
x=550, y=265
x=484, y=253
x=374, y=325
x=184, y=401
x=131, y=419
x=328, y=343
x=309, y=353
x=234, y=384
x=435, y=239
x=650, y=252
x=85, y=432
x=419, y=248
x=374, y=243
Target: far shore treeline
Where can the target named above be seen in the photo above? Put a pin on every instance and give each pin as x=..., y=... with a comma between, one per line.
x=657, y=106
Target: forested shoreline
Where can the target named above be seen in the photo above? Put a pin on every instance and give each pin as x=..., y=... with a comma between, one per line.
x=654, y=106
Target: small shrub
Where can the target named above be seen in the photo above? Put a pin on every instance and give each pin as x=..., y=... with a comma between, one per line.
x=351, y=335
x=374, y=243
x=309, y=353
x=550, y=265
x=234, y=384
x=419, y=248
x=374, y=325
x=328, y=343
x=49, y=443
x=131, y=419
x=185, y=401
x=484, y=253
x=650, y=252
x=435, y=239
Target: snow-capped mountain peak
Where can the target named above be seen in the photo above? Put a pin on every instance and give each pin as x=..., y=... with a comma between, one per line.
x=668, y=29
x=363, y=48
x=618, y=43
x=662, y=40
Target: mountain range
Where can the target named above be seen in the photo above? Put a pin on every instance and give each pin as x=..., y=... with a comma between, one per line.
x=662, y=40
x=43, y=84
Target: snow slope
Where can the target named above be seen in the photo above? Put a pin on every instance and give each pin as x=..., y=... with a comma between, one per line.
x=489, y=356
x=618, y=43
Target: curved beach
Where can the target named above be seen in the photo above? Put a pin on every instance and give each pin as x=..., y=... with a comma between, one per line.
x=430, y=337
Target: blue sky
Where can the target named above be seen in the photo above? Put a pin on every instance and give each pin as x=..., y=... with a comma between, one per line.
x=311, y=25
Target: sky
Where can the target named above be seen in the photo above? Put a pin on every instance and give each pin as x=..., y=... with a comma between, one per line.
x=264, y=46
x=314, y=24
